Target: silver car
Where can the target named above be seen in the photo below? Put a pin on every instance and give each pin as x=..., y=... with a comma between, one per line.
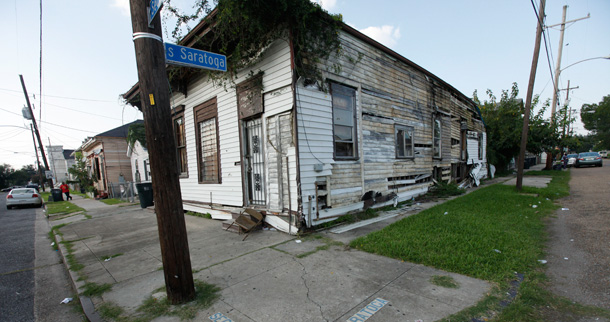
x=23, y=197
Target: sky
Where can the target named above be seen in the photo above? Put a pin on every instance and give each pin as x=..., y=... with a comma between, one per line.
x=88, y=57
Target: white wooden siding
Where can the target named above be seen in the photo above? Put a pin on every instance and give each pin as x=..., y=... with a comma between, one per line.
x=277, y=98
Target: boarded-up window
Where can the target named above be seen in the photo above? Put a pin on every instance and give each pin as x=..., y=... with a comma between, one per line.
x=206, y=132
x=180, y=137
x=481, y=146
x=404, y=141
x=344, y=121
x=249, y=97
x=436, y=138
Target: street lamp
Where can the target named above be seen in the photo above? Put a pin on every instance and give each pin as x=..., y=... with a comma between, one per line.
x=558, y=71
x=580, y=61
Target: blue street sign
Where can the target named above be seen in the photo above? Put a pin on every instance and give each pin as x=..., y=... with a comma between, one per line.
x=153, y=8
x=189, y=57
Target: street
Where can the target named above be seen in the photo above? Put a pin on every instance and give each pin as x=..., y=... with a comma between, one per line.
x=579, y=235
x=33, y=280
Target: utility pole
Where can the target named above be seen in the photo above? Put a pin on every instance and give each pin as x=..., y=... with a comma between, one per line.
x=154, y=94
x=37, y=159
x=566, y=121
x=44, y=158
x=52, y=160
x=549, y=161
x=528, y=99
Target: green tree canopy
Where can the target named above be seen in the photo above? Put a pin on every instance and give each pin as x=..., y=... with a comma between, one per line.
x=504, y=123
x=596, y=118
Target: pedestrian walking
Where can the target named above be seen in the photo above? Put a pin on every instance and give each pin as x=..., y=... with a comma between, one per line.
x=66, y=190
x=565, y=160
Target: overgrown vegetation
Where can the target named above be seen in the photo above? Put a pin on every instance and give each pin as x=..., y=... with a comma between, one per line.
x=489, y=234
x=81, y=173
x=136, y=132
x=444, y=189
x=596, y=118
x=244, y=29
x=504, y=123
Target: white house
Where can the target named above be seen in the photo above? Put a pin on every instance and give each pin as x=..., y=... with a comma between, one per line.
x=385, y=129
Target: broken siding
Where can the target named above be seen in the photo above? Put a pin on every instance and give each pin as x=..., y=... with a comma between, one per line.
x=277, y=78
x=389, y=93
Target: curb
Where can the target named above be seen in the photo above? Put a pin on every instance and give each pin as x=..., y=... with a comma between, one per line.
x=85, y=302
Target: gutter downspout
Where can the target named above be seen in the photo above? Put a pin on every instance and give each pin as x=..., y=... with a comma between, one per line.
x=296, y=136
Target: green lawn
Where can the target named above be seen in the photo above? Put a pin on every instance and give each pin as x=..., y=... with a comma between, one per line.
x=64, y=207
x=489, y=234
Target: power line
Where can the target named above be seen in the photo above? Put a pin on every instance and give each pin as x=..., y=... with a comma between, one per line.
x=63, y=97
x=546, y=48
x=88, y=113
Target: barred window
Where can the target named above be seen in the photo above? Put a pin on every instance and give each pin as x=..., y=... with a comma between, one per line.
x=208, y=155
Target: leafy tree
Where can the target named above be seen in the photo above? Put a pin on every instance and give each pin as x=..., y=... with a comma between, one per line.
x=136, y=132
x=504, y=123
x=596, y=118
x=5, y=175
x=79, y=171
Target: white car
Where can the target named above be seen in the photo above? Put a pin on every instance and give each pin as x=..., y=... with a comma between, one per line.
x=572, y=159
x=604, y=154
x=23, y=197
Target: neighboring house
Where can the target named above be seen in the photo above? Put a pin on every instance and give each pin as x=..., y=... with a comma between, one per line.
x=140, y=166
x=106, y=157
x=60, y=160
x=385, y=130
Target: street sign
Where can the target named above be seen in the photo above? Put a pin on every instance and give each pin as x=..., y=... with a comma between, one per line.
x=153, y=8
x=48, y=174
x=189, y=57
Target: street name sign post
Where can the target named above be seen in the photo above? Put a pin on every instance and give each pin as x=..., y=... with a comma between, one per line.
x=189, y=57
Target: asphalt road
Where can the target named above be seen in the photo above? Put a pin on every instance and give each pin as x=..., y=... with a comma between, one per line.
x=33, y=280
x=579, y=252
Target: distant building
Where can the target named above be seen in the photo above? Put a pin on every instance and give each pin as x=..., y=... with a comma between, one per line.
x=140, y=166
x=60, y=160
x=106, y=157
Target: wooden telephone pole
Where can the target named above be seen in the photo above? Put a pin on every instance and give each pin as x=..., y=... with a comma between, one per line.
x=528, y=98
x=154, y=94
x=44, y=158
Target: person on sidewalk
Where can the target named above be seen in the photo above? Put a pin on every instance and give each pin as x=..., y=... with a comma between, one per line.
x=565, y=160
x=66, y=190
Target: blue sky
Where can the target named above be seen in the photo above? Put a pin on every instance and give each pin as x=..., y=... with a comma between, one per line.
x=88, y=57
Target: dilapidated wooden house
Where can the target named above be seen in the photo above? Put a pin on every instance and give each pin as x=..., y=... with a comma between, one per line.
x=382, y=131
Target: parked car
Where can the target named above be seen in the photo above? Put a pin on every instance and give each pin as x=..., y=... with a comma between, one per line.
x=588, y=158
x=603, y=154
x=10, y=188
x=23, y=197
x=572, y=159
x=33, y=185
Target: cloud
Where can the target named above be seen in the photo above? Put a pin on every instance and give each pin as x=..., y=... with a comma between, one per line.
x=123, y=6
x=387, y=35
x=327, y=5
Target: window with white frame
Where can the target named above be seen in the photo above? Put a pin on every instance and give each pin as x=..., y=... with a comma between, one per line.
x=404, y=141
x=344, y=121
x=436, y=137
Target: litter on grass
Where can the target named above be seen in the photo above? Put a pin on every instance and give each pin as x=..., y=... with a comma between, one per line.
x=53, y=244
x=564, y=209
x=542, y=261
x=66, y=300
x=446, y=212
x=298, y=241
x=107, y=259
x=534, y=206
x=497, y=251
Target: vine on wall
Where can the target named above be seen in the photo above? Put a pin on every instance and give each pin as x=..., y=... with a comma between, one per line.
x=242, y=30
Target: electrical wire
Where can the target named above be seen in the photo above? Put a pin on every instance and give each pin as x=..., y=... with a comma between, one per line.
x=88, y=113
x=62, y=97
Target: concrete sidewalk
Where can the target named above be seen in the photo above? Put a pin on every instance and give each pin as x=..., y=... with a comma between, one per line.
x=264, y=278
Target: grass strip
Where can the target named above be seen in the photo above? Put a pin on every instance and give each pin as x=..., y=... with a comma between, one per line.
x=489, y=234
x=62, y=207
